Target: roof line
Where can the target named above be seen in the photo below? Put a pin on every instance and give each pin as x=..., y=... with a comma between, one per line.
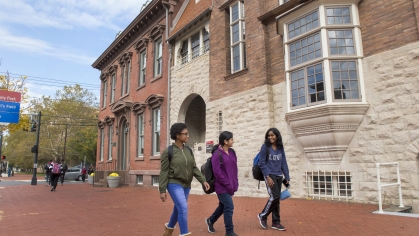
x=190, y=23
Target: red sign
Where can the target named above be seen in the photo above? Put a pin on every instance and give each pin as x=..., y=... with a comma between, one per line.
x=10, y=96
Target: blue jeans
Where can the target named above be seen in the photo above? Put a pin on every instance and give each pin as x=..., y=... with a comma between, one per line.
x=225, y=207
x=179, y=196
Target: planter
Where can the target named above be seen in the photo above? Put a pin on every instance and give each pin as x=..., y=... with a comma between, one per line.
x=113, y=182
x=90, y=179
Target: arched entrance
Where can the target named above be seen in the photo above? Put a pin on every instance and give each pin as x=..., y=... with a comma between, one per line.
x=193, y=113
x=122, y=163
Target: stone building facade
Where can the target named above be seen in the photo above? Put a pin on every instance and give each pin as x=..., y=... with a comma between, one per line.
x=133, y=116
x=338, y=78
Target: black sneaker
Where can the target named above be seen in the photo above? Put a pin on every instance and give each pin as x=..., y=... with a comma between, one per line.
x=278, y=226
x=210, y=226
x=262, y=222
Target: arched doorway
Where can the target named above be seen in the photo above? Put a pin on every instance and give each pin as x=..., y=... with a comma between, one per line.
x=124, y=145
x=193, y=113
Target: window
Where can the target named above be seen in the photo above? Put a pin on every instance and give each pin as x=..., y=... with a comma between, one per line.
x=140, y=179
x=110, y=134
x=303, y=24
x=102, y=143
x=338, y=15
x=184, y=52
x=307, y=84
x=113, y=88
x=308, y=70
x=195, y=45
x=155, y=180
x=345, y=80
x=305, y=49
x=105, y=93
x=158, y=57
x=123, y=80
x=341, y=42
x=156, y=131
x=328, y=184
x=206, y=40
x=128, y=77
x=143, y=65
x=220, y=122
x=140, y=135
x=237, y=35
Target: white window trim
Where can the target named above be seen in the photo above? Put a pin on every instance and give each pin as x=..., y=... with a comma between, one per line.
x=110, y=134
x=156, y=58
x=142, y=179
x=334, y=175
x=113, y=84
x=102, y=143
x=241, y=41
x=323, y=27
x=155, y=180
x=105, y=93
x=140, y=134
x=143, y=67
x=156, y=119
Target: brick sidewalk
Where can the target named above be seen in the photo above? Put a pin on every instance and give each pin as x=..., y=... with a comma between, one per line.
x=79, y=209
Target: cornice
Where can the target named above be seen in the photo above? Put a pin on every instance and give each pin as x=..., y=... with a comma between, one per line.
x=142, y=43
x=156, y=32
x=149, y=13
x=121, y=107
x=139, y=107
x=154, y=100
x=109, y=120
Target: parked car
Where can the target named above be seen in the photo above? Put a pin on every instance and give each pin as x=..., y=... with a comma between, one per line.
x=73, y=173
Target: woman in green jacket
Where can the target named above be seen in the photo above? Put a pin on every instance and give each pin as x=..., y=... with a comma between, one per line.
x=176, y=176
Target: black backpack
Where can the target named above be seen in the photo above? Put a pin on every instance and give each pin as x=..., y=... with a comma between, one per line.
x=65, y=167
x=170, y=152
x=206, y=170
x=256, y=171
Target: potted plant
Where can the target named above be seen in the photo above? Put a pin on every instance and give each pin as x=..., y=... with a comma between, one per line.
x=90, y=178
x=113, y=180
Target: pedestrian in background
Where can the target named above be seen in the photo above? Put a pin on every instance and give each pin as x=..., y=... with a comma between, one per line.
x=90, y=170
x=273, y=170
x=48, y=173
x=226, y=182
x=83, y=173
x=55, y=168
x=176, y=176
x=63, y=170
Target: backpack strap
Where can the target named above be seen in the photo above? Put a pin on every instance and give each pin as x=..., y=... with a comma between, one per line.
x=170, y=153
x=190, y=151
x=266, y=160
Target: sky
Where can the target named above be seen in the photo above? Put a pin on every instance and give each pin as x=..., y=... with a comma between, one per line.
x=55, y=42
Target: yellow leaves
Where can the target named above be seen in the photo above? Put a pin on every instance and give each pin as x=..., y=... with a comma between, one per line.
x=114, y=175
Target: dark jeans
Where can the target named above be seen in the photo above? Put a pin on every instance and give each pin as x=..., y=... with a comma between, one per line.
x=226, y=207
x=62, y=178
x=273, y=202
x=48, y=178
x=54, y=180
x=83, y=177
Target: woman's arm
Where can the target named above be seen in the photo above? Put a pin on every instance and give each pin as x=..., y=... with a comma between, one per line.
x=262, y=160
x=216, y=169
x=284, y=166
x=164, y=171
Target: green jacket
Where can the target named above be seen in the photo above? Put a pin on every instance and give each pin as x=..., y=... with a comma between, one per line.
x=181, y=170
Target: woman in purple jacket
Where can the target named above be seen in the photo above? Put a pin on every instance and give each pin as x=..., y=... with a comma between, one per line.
x=226, y=182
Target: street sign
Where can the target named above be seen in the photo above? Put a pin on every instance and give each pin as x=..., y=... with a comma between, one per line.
x=9, y=106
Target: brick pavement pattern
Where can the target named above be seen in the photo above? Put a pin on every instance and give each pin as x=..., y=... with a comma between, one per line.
x=80, y=209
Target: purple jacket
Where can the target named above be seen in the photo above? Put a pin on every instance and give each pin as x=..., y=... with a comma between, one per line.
x=226, y=175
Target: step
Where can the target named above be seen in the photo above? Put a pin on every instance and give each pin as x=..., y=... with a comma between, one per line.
x=97, y=184
x=405, y=209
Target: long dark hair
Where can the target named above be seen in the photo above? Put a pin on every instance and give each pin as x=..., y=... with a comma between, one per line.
x=225, y=135
x=279, y=144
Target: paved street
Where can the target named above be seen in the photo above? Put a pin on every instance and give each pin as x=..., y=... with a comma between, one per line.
x=79, y=209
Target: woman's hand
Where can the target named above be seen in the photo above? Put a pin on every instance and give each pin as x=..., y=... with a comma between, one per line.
x=163, y=197
x=270, y=182
x=207, y=187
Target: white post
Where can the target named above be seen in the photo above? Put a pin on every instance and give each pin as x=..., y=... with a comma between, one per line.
x=380, y=205
x=400, y=186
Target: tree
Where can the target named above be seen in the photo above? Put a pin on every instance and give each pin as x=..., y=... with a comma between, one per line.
x=68, y=127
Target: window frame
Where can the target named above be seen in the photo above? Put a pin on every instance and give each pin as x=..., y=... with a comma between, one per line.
x=158, y=61
x=358, y=80
x=184, y=55
x=302, y=35
x=113, y=86
x=110, y=135
x=241, y=42
x=128, y=77
x=297, y=39
x=196, y=50
x=123, y=80
x=102, y=144
x=156, y=120
x=307, y=103
x=105, y=93
x=143, y=67
x=338, y=6
x=329, y=47
x=140, y=134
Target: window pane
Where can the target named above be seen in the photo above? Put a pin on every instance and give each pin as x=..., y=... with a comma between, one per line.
x=235, y=13
x=297, y=81
x=345, y=80
x=341, y=42
x=236, y=57
x=303, y=50
x=195, y=45
x=303, y=25
x=338, y=15
x=235, y=32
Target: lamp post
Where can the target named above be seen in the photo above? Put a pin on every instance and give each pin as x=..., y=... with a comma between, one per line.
x=35, y=150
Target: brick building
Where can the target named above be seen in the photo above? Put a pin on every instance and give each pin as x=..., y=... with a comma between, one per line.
x=133, y=121
x=338, y=78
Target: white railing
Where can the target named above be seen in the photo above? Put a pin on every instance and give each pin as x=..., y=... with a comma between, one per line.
x=380, y=204
x=189, y=56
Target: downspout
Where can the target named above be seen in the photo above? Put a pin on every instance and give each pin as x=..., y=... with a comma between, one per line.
x=168, y=75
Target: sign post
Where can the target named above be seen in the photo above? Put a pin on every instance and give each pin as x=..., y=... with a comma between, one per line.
x=35, y=151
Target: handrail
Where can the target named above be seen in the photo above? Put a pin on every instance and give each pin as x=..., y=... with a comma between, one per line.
x=107, y=166
x=380, y=204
